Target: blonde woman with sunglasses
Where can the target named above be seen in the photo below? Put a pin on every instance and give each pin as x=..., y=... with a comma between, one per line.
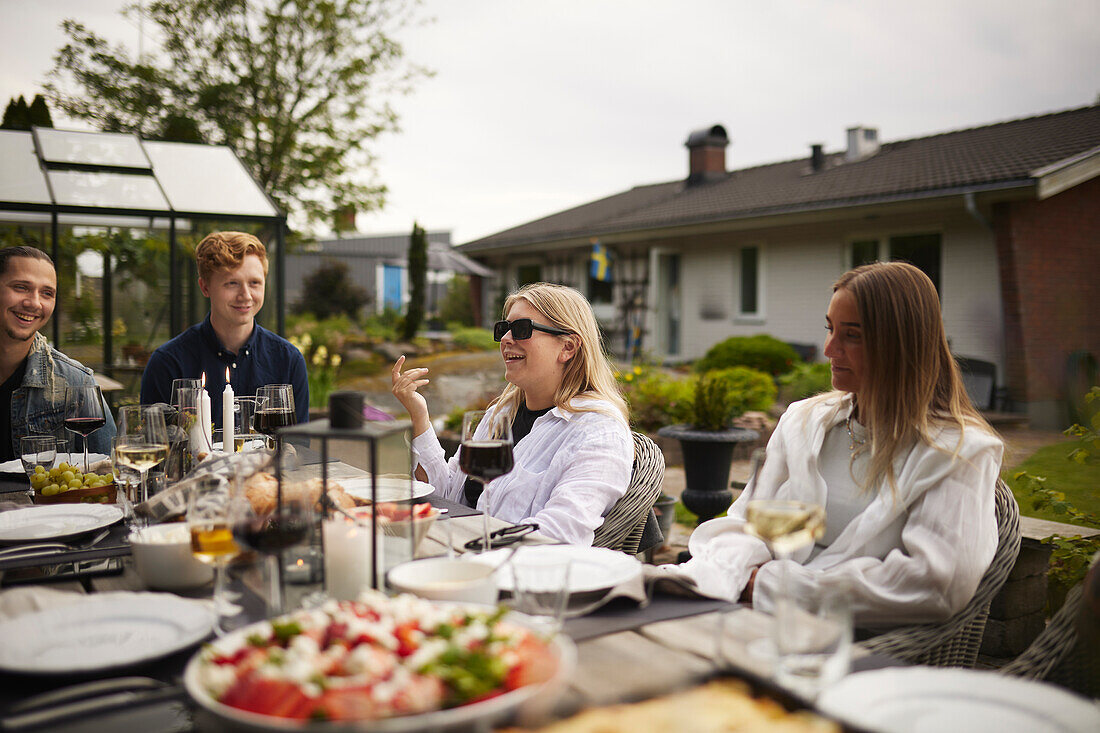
x=573, y=450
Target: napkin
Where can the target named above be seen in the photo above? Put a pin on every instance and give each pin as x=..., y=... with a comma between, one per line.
x=31, y=599
x=667, y=579
x=634, y=589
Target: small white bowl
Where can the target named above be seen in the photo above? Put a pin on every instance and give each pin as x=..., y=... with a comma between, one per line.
x=163, y=559
x=446, y=579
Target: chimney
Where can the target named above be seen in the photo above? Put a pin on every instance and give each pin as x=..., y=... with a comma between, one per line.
x=862, y=142
x=817, y=157
x=707, y=154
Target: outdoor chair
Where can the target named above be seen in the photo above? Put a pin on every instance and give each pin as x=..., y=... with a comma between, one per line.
x=625, y=524
x=1058, y=655
x=955, y=642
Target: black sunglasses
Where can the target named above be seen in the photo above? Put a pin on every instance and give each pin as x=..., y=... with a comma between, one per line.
x=503, y=537
x=522, y=328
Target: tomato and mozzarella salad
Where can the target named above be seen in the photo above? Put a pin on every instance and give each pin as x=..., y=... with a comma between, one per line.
x=373, y=658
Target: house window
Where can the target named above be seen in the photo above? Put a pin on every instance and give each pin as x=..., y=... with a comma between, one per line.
x=527, y=274
x=864, y=252
x=599, y=291
x=921, y=250
x=750, y=281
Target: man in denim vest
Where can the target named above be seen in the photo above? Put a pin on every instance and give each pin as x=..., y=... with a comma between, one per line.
x=33, y=374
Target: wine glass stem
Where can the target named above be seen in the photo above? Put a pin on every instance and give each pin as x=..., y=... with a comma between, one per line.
x=219, y=596
x=85, y=437
x=274, y=587
x=144, y=495
x=486, y=541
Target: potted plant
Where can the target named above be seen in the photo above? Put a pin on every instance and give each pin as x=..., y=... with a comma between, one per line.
x=708, y=441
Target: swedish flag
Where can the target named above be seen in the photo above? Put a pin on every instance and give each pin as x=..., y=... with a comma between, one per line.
x=601, y=263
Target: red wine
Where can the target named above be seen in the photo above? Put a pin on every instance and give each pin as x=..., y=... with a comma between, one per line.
x=85, y=425
x=485, y=459
x=268, y=421
x=271, y=534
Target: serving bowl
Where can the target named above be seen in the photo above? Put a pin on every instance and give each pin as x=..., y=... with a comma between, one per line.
x=163, y=559
x=446, y=579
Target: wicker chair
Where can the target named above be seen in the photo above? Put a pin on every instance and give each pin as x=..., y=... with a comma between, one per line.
x=956, y=641
x=1057, y=653
x=623, y=526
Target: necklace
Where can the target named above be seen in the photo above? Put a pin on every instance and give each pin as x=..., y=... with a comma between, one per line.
x=853, y=441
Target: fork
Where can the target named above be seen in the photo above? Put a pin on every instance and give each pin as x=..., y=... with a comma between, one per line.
x=50, y=548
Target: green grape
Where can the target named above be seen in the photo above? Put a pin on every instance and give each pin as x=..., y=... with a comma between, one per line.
x=51, y=490
x=39, y=470
x=67, y=476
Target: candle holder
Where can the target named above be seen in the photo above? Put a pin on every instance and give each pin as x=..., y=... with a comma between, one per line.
x=344, y=550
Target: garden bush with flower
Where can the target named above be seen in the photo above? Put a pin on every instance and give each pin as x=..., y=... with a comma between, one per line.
x=321, y=344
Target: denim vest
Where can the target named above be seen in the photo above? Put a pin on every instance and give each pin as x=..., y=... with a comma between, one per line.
x=38, y=406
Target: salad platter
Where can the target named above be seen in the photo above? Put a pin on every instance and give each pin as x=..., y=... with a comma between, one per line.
x=378, y=663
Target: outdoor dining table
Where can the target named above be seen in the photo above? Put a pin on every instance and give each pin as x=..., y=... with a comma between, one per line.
x=625, y=651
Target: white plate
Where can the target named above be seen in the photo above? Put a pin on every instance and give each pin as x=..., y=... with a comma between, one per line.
x=591, y=568
x=75, y=458
x=912, y=699
x=102, y=632
x=474, y=716
x=55, y=521
x=389, y=489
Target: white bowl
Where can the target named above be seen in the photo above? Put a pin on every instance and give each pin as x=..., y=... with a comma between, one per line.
x=163, y=559
x=446, y=579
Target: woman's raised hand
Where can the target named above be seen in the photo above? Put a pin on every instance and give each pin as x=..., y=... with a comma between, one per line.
x=405, y=385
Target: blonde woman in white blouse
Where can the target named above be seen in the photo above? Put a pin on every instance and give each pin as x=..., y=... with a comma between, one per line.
x=573, y=450
x=902, y=462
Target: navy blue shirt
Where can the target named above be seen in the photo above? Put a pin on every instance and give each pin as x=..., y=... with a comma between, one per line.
x=266, y=358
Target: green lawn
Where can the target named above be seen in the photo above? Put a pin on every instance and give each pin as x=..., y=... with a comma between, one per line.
x=1079, y=482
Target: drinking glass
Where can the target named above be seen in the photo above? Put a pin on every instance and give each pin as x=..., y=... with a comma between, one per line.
x=127, y=485
x=269, y=528
x=485, y=454
x=815, y=648
x=784, y=526
x=274, y=409
x=244, y=415
x=37, y=450
x=540, y=589
x=84, y=413
x=180, y=385
x=142, y=440
x=210, y=511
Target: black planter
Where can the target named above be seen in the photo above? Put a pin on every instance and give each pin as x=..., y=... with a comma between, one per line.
x=707, y=458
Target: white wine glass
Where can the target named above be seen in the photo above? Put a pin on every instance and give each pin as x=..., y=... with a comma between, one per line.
x=784, y=526
x=37, y=451
x=210, y=511
x=142, y=440
x=485, y=454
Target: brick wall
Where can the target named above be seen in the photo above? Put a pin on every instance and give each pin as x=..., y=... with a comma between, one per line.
x=1049, y=255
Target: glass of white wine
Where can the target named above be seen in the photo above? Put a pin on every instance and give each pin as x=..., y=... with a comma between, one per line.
x=142, y=440
x=786, y=526
x=210, y=513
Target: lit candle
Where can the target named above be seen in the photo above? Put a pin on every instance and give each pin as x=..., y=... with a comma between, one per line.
x=348, y=557
x=205, y=415
x=227, y=415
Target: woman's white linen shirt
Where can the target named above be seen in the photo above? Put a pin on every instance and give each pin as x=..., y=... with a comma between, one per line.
x=948, y=539
x=569, y=471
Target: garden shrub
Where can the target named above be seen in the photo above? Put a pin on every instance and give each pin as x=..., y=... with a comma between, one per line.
x=656, y=398
x=723, y=394
x=763, y=352
x=476, y=339
x=806, y=380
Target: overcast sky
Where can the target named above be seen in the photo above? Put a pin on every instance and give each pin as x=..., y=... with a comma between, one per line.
x=540, y=106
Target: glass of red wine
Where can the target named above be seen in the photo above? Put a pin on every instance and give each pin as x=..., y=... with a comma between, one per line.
x=485, y=454
x=270, y=525
x=274, y=409
x=84, y=413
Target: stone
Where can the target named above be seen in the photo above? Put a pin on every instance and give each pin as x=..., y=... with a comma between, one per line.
x=1019, y=597
x=1009, y=638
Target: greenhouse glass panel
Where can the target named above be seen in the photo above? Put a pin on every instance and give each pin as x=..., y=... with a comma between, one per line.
x=107, y=190
x=21, y=179
x=206, y=180
x=91, y=148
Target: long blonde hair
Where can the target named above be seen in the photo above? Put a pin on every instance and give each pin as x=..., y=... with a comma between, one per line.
x=911, y=386
x=589, y=372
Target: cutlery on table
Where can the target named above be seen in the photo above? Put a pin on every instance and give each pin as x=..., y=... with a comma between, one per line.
x=89, y=698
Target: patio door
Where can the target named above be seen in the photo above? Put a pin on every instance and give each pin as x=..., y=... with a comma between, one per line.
x=665, y=295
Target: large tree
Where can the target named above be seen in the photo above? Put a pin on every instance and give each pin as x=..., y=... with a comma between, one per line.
x=418, y=278
x=298, y=88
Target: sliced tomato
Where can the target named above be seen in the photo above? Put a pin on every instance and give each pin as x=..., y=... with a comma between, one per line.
x=263, y=695
x=536, y=664
x=407, y=635
x=346, y=703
